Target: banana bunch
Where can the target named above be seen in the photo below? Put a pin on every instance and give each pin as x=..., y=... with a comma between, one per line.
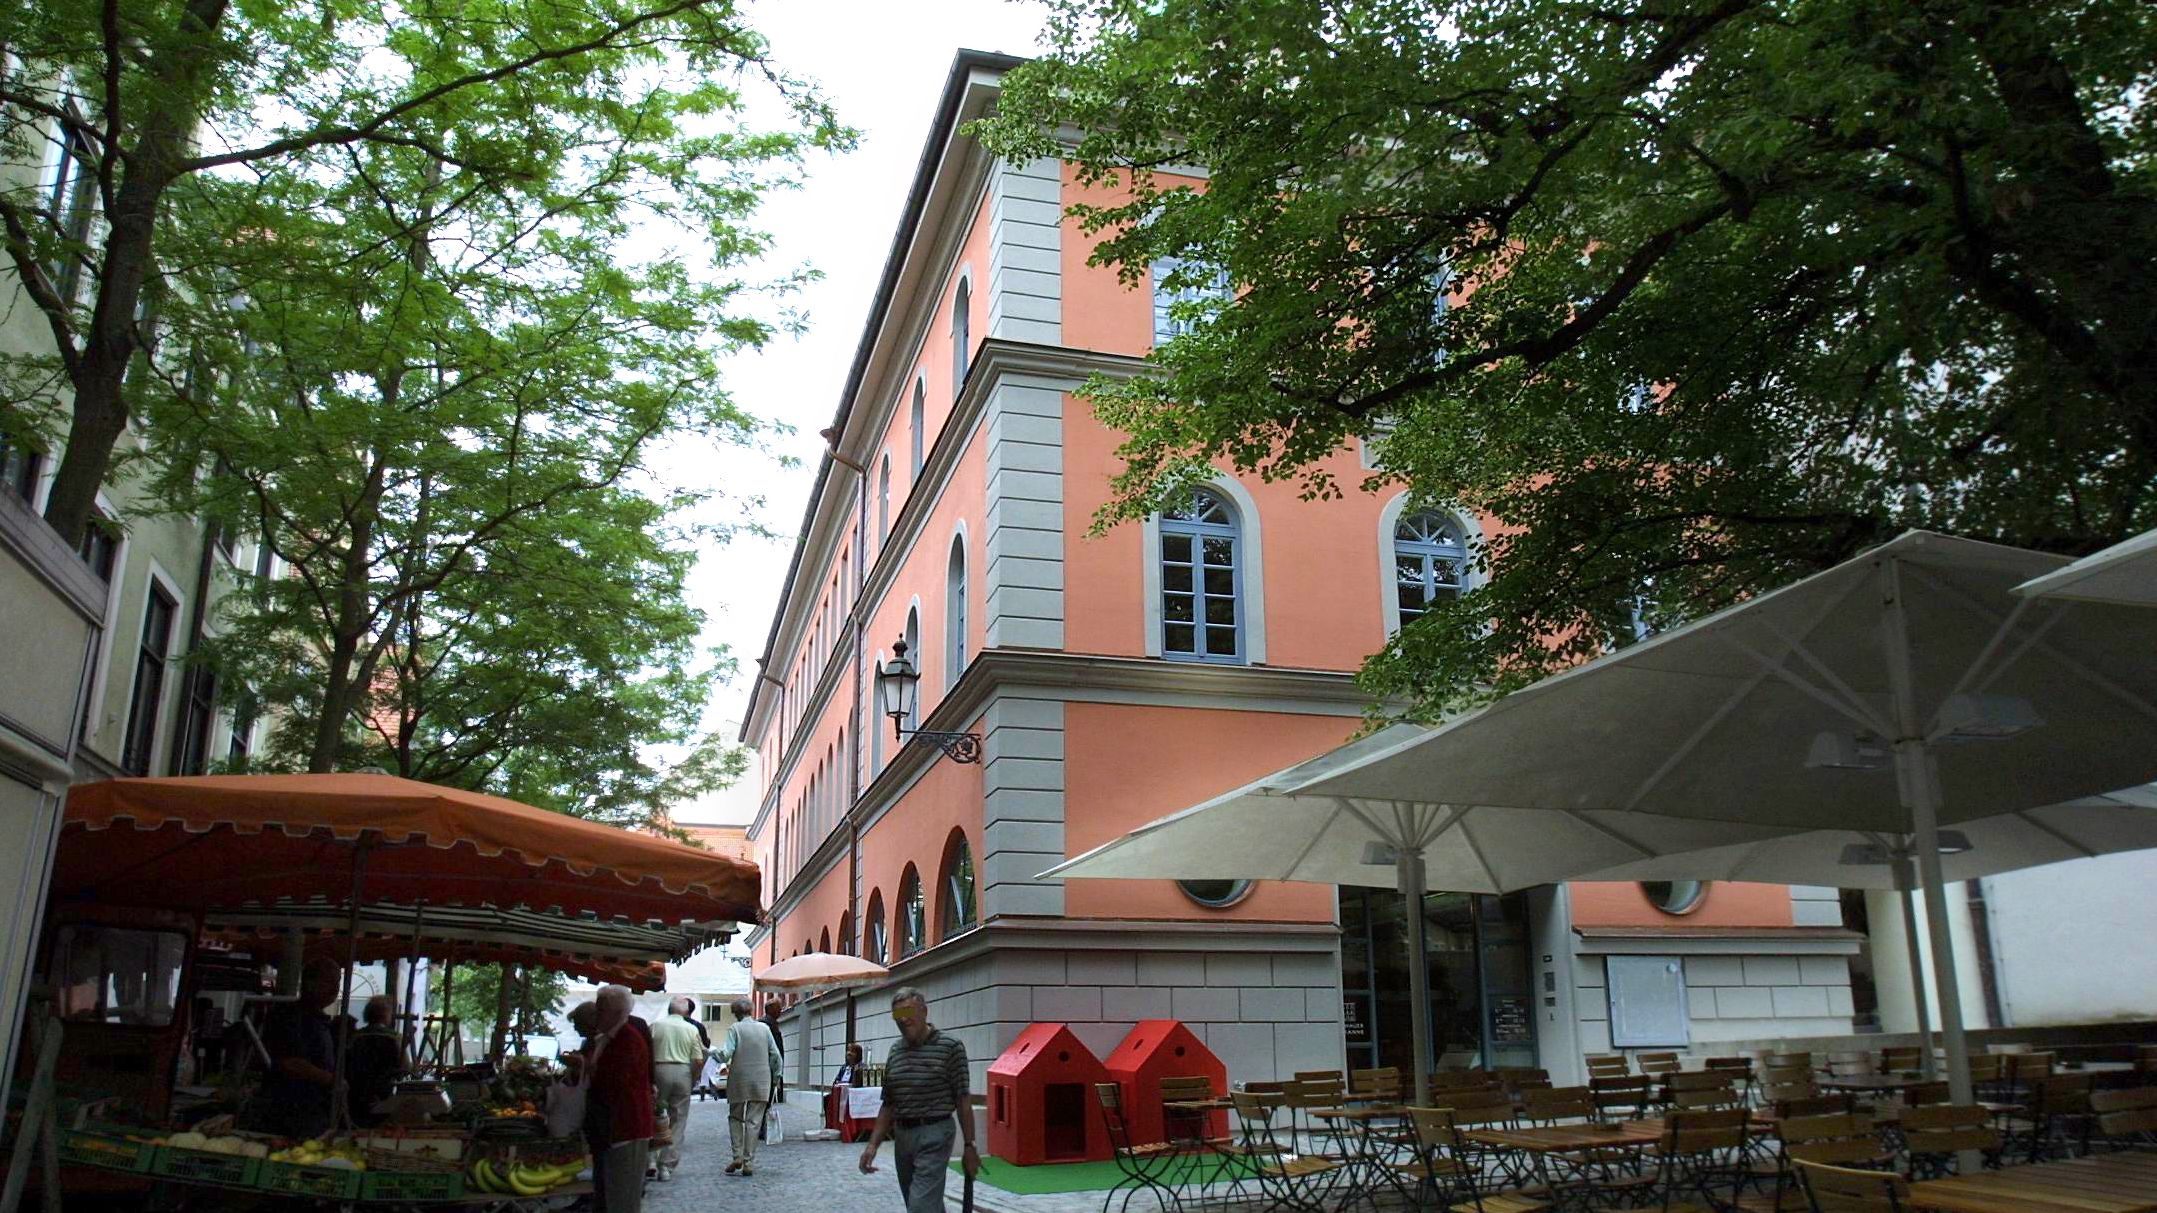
x=521, y=1179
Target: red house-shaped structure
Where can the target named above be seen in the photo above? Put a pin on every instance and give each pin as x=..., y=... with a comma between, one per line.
x=1042, y=1103
x=1158, y=1049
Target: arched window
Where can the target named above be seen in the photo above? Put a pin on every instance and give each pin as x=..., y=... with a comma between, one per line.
x=1201, y=580
x=919, y=414
x=961, y=335
x=955, y=612
x=1430, y=556
x=912, y=914
x=823, y=940
x=883, y=501
x=913, y=652
x=846, y=933
x=957, y=908
x=872, y=935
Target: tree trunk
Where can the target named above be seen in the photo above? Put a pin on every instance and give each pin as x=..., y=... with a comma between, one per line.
x=506, y=978
x=345, y=675
x=100, y=406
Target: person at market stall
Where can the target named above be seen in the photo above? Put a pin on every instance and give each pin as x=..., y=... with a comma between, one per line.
x=852, y=1069
x=925, y=1087
x=677, y=1052
x=620, y=1061
x=302, y=1043
x=751, y=1057
x=374, y=1061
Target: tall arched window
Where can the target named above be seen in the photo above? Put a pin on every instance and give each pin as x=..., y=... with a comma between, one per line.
x=823, y=940
x=1176, y=303
x=955, y=612
x=919, y=413
x=846, y=933
x=872, y=934
x=913, y=652
x=1201, y=580
x=912, y=914
x=1430, y=556
x=956, y=902
x=961, y=322
x=883, y=501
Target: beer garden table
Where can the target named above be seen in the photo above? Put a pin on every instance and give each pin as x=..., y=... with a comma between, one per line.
x=2105, y=1183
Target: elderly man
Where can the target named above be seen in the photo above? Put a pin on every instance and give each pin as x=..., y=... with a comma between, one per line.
x=301, y=1040
x=751, y=1058
x=620, y=1061
x=374, y=1062
x=925, y=1084
x=677, y=1052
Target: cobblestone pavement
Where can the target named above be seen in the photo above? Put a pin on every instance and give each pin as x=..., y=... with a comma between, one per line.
x=817, y=1177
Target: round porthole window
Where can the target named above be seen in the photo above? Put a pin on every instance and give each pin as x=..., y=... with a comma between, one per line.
x=1675, y=896
x=1218, y=894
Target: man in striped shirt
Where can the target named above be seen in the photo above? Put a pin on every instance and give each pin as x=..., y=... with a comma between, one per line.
x=925, y=1083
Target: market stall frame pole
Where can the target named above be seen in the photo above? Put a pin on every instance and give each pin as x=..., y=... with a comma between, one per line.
x=340, y=1111
x=408, y=1034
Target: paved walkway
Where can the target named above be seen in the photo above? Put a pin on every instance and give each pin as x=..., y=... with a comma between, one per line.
x=815, y=1177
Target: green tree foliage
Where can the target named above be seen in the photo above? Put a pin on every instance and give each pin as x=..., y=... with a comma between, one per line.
x=486, y=1006
x=606, y=107
x=1738, y=287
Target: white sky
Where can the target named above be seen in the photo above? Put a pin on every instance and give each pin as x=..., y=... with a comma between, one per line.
x=883, y=66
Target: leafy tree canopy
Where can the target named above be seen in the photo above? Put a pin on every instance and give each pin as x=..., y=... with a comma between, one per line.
x=1687, y=299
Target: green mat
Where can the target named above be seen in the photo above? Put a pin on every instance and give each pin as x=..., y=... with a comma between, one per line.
x=1067, y=1176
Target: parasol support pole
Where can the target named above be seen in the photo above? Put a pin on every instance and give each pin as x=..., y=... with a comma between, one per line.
x=407, y=1033
x=1917, y=778
x=1408, y=864
x=1905, y=883
x=340, y=1113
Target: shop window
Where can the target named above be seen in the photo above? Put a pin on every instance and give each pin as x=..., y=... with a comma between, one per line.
x=116, y=975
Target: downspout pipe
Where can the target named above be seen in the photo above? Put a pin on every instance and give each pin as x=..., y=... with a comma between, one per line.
x=854, y=724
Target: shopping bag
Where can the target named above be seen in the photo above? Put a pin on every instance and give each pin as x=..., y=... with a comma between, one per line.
x=565, y=1109
x=774, y=1128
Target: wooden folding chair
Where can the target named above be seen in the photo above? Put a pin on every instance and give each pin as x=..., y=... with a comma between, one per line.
x=1626, y=1095
x=1286, y=1180
x=1934, y=1136
x=1557, y=1105
x=1844, y=1139
x=2057, y=1109
x=1699, y=1154
x=1658, y=1063
x=2128, y=1119
x=1143, y=1165
x=1382, y=1085
x=1833, y=1189
x=1608, y=1065
x=1901, y=1059
x=1694, y=1090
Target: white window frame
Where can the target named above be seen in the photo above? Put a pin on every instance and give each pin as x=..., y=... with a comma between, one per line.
x=955, y=606
x=175, y=647
x=1251, y=562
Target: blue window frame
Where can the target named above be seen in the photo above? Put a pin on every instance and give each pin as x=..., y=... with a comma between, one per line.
x=1202, y=581
x=1430, y=556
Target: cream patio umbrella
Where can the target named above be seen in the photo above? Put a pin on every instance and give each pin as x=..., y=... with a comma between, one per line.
x=1902, y=691
x=814, y=973
x=1866, y=859
x=1786, y=714
x=2125, y=573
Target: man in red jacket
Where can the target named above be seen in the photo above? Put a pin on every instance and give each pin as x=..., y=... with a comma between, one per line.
x=621, y=1097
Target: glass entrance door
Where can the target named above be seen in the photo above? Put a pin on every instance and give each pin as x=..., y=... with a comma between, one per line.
x=1481, y=985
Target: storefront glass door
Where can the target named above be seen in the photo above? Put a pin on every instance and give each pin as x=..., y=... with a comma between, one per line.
x=1481, y=1004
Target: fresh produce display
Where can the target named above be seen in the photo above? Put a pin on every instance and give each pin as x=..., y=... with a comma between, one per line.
x=230, y=1143
x=336, y=1155
x=501, y=1175
x=523, y=1081
x=516, y=1111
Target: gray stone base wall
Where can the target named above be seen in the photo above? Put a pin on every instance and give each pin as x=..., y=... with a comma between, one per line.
x=1733, y=998
x=1268, y=1009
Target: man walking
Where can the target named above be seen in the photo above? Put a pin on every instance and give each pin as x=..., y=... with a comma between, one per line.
x=677, y=1054
x=751, y=1057
x=925, y=1084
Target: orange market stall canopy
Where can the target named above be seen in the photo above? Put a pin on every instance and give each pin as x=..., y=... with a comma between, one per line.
x=223, y=841
x=598, y=950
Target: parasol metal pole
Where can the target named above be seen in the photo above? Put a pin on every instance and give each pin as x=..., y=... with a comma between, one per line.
x=406, y=1034
x=1917, y=777
x=340, y=1113
x=1905, y=884
x=1408, y=864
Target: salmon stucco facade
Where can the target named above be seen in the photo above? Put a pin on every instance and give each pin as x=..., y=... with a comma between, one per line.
x=1112, y=678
